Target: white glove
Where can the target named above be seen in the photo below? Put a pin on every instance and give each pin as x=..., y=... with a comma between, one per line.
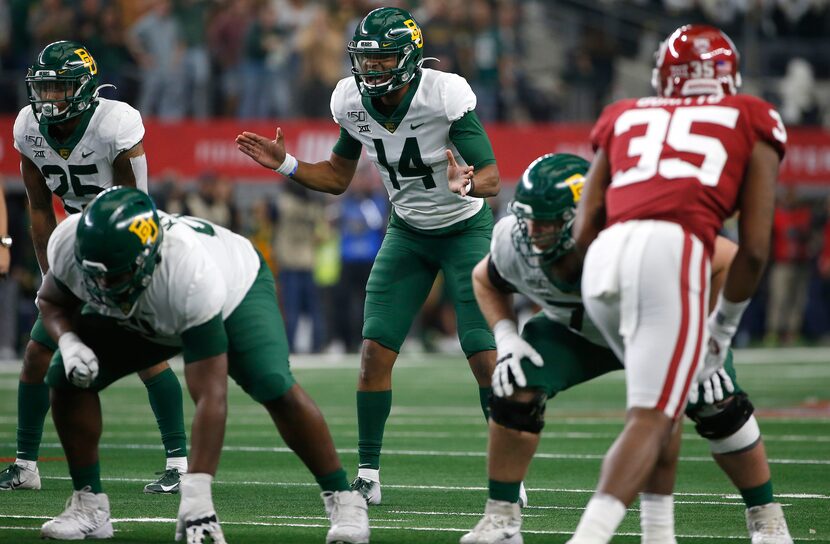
x=79, y=362
x=197, y=518
x=511, y=349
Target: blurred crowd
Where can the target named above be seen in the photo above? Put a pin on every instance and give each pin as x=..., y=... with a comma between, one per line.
x=527, y=60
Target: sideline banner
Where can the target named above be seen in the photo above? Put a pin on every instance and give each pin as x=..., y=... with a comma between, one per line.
x=190, y=148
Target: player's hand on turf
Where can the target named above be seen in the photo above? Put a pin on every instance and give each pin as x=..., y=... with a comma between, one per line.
x=511, y=349
x=197, y=518
x=79, y=362
x=268, y=153
x=459, y=177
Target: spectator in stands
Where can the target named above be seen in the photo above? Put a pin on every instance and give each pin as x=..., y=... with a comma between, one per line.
x=192, y=16
x=265, y=77
x=225, y=44
x=321, y=52
x=213, y=200
x=798, y=94
x=49, y=21
x=789, y=271
x=155, y=42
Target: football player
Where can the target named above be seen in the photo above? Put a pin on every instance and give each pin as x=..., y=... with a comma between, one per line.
x=532, y=253
x=74, y=144
x=420, y=128
x=668, y=170
x=154, y=286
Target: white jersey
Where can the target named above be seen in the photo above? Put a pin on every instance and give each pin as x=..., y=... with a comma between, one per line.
x=79, y=169
x=532, y=282
x=412, y=160
x=204, y=270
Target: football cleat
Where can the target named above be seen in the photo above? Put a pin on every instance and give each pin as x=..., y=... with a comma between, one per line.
x=349, y=516
x=87, y=515
x=370, y=489
x=766, y=524
x=17, y=477
x=501, y=524
x=522, y=496
x=168, y=483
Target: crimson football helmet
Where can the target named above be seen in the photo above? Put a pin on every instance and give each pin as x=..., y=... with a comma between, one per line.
x=695, y=60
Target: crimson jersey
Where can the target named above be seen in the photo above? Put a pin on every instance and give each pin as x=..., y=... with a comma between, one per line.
x=682, y=159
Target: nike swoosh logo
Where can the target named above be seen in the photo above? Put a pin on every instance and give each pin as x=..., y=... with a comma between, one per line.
x=85, y=155
x=167, y=488
x=171, y=451
x=364, y=465
x=413, y=126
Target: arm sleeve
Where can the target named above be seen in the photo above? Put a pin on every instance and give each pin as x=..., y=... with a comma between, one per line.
x=346, y=146
x=472, y=142
x=206, y=340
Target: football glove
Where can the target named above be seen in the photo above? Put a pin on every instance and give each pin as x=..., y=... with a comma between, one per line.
x=197, y=518
x=511, y=349
x=79, y=362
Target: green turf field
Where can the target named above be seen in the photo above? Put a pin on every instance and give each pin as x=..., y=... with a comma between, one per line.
x=434, y=480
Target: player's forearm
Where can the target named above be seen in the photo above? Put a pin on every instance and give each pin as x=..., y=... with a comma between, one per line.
x=486, y=182
x=744, y=275
x=55, y=307
x=322, y=176
x=495, y=305
x=43, y=223
x=207, y=381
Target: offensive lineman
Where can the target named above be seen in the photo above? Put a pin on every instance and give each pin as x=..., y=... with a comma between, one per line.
x=668, y=170
x=151, y=286
x=74, y=144
x=420, y=128
x=533, y=253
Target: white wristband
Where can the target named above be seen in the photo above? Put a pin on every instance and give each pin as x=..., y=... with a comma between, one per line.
x=728, y=314
x=504, y=328
x=288, y=166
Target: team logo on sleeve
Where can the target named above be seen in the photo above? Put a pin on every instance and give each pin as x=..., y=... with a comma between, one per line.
x=146, y=229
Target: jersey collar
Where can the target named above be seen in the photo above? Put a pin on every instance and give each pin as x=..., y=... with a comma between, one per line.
x=394, y=119
x=64, y=149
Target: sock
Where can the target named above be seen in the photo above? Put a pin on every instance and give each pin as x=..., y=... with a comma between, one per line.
x=336, y=481
x=601, y=518
x=758, y=496
x=373, y=408
x=179, y=463
x=504, y=491
x=484, y=399
x=86, y=476
x=165, y=394
x=657, y=518
x=32, y=407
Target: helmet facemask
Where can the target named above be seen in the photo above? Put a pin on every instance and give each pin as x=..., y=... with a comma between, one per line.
x=547, y=240
x=379, y=72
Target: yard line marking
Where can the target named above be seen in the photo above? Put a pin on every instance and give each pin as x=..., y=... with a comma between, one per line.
x=435, y=453
x=406, y=528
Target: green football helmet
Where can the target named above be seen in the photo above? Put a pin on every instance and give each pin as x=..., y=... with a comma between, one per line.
x=548, y=192
x=383, y=34
x=62, y=83
x=118, y=245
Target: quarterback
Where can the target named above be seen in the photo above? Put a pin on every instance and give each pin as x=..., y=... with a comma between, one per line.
x=74, y=144
x=533, y=253
x=668, y=170
x=420, y=128
x=130, y=286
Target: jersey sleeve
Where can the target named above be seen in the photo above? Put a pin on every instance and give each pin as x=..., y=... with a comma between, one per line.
x=458, y=96
x=60, y=253
x=20, y=131
x=502, y=254
x=338, y=100
x=130, y=129
x=200, y=291
x=766, y=124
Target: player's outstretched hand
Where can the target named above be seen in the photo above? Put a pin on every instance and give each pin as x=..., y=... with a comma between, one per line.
x=197, y=518
x=459, y=177
x=268, y=153
x=511, y=349
x=79, y=362
x=712, y=378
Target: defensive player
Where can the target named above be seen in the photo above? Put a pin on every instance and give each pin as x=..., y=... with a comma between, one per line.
x=155, y=285
x=420, y=128
x=533, y=253
x=74, y=144
x=668, y=170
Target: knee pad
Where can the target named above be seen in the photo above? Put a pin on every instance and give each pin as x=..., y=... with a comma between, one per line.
x=729, y=427
x=520, y=416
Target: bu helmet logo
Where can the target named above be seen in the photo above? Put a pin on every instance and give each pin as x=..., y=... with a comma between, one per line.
x=417, y=38
x=146, y=229
x=575, y=184
x=87, y=59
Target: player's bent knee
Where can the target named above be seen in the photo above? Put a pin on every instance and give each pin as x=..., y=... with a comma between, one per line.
x=528, y=416
x=269, y=387
x=730, y=427
x=36, y=361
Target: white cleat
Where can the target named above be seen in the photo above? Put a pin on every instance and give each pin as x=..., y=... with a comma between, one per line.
x=87, y=515
x=766, y=524
x=349, y=516
x=370, y=489
x=522, y=496
x=501, y=524
x=19, y=477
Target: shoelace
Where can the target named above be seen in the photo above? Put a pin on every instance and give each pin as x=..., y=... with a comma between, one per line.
x=494, y=521
x=76, y=509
